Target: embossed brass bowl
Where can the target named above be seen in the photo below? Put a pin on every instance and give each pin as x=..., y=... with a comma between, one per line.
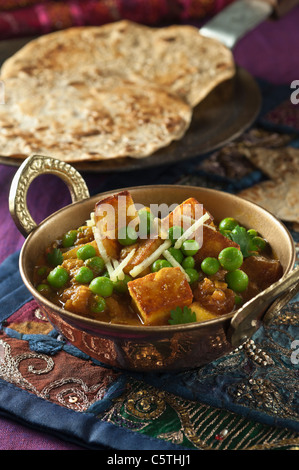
x=141, y=348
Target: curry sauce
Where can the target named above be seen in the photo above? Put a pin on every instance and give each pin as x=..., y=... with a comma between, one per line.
x=144, y=277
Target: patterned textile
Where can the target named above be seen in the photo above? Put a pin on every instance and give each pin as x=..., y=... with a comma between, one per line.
x=245, y=400
x=33, y=17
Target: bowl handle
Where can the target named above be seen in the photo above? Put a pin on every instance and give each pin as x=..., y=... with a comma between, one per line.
x=32, y=167
x=248, y=318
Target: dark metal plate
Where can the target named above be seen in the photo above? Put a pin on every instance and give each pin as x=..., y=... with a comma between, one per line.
x=221, y=117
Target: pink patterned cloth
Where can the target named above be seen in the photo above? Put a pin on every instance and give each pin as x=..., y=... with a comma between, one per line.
x=32, y=17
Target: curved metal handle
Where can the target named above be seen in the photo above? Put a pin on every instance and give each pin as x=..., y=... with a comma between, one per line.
x=246, y=320
x=32, y=167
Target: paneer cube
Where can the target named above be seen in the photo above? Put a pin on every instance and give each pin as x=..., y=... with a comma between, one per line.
x=111, y=214
x=189, y=209
x=156, y=294
x=114, y=212
x=201, y=313
x=212, y=243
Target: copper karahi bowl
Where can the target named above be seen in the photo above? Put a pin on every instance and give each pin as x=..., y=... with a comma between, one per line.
x=140, y=348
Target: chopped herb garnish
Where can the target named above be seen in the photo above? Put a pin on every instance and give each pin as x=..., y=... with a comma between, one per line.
x=241, y=236
x=55, y=257
x=179, y=316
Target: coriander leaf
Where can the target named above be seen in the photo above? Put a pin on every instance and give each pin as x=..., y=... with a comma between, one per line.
x=55, y=257
x=239, y=235
x=179, y=316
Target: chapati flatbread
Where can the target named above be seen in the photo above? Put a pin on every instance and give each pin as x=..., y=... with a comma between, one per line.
x=275, y=163
x=80, y=120
x=177, y=58
x=280, y=196
x=93, y=93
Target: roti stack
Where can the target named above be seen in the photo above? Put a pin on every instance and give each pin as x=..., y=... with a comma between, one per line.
x=119, y=90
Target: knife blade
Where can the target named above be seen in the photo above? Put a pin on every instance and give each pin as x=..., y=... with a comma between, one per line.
x=242, y=16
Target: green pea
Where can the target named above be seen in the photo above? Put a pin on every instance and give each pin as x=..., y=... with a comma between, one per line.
x=96, y=264
x=58, y=277
x=188, y=262
x=127, y=236
x=237, y=280
x=159, y=264
x=176, y=254
x=42, y=270
x=165, y=264
x=190, y=247
x=156, y=266
x=210, y=266
x=230, y=258
x=55, y=257
x=238, y=299
x=101, y=285
x=44, y=289
x=174, y=233
x=69, y=238
x=84, y=275
x=146, y=223
x=85, y=252
x=193, y=275
x=252, y=232
x=98, y=304
x=258, y=244
x=229, y=223
x=121, y=285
